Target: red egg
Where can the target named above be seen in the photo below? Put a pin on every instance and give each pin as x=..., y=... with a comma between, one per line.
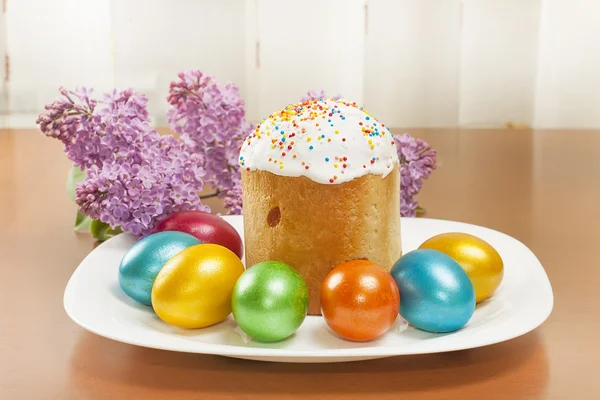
x=205, y=227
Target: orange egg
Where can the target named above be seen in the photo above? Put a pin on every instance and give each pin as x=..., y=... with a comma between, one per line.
x=359, y=300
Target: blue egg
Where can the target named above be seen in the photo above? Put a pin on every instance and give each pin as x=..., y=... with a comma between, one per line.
x=436, y=294
x=144, y=260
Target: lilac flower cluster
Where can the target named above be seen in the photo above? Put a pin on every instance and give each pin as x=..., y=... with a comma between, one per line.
x=92, y=136
x=417, y=162
x=210, y=118
x=233, y=199
x=316, y=95
x=134, y=176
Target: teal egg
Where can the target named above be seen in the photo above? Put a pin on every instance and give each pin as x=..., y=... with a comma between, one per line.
x=270, y=301
x=436, y=294
x=144, y=260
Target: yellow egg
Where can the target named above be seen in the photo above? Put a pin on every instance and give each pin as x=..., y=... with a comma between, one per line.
x=477, y=257
x=193, y=289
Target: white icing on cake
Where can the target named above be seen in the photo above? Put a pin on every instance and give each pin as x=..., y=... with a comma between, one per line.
x=328, y=141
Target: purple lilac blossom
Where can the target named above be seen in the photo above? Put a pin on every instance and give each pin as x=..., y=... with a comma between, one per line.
x=210, y=118
x=233, y=200
x=417, y=162
x=316, y=95
x=135, y=177
x=93, y=133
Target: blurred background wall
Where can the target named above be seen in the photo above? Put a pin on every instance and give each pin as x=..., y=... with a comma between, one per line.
x=412, y=63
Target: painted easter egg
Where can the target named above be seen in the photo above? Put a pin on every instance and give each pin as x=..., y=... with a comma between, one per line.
x=437, y=295
x=359, y=300
x=193, y=289
x=270, y=301
x=477, y=257
x=143, y=261
x=207, y=228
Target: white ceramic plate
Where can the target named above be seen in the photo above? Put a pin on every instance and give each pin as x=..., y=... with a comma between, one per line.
x=94, y=300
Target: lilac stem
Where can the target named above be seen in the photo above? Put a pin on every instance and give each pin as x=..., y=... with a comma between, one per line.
x=210, y=195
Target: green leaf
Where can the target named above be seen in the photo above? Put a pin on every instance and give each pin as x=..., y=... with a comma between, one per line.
x=420, y=210
x=102, y=231
x=82, y=222
x=75, y=176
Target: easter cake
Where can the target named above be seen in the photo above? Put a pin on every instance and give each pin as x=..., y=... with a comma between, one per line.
x=320, y=186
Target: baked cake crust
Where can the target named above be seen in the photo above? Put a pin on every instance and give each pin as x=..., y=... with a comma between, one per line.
x=313, y=227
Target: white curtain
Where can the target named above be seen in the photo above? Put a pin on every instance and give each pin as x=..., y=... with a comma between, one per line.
x=412, y=63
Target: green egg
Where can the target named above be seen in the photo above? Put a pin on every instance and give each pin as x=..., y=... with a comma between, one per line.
x=270, y=301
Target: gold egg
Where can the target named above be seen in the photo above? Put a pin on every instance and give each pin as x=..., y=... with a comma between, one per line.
x=477, y=257
x=193, y=289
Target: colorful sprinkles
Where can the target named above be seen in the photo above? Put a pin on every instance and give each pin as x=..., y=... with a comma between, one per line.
x=294, y=125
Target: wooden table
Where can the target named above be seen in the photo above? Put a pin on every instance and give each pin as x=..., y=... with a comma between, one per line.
x=541, y=187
